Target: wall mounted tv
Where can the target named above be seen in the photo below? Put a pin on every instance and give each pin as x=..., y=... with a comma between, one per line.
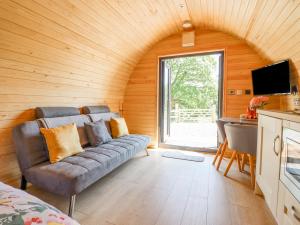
x=272, y=79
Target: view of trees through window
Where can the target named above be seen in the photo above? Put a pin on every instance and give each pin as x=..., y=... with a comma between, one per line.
x=193, y=95
x=194, y=81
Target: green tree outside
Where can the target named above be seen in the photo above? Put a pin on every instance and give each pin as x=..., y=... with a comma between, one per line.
x=193, y=82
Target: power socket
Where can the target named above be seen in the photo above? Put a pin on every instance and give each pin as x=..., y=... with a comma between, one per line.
x=247, y=92
x=239, y=92
x=231, y=92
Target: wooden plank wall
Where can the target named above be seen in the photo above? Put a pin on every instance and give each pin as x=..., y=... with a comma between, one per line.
x=140, y=101
x=48, y=58
x=73, y=53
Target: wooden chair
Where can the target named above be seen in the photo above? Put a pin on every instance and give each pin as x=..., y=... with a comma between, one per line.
x=242, y=139
x=223, y=143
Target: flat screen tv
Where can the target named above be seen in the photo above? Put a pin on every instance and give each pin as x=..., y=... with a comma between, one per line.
x=272, y=79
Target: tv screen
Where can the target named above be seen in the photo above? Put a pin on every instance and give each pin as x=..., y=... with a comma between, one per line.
x=272, y=79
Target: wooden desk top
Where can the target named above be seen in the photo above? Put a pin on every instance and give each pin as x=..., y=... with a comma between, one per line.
x=238, y=120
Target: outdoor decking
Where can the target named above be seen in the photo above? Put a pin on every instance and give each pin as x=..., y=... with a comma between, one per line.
x=193, y=134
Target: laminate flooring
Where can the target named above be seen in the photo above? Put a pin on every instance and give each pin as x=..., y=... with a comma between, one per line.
x=155, y=190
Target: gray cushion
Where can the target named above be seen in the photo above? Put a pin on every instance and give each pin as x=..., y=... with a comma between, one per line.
x=50, y=112
x=73, y=174
x=104, y=116
x=97, y=132
x=29, y=145
x=78, y=120
x=95, y=109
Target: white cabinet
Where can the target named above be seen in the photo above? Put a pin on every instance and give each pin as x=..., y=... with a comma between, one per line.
x=268, y=159
x=278, y=157
x=288, y=210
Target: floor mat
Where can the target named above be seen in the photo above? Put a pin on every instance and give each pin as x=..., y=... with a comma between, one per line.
x=182, y=156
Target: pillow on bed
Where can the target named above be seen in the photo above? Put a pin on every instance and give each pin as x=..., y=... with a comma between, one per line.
x=97, y=132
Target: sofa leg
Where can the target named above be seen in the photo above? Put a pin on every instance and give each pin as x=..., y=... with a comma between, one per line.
x=72, y=205
x=147, y=152
x=23, y=183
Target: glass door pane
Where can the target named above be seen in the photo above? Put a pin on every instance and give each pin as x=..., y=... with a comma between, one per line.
x=191, y=91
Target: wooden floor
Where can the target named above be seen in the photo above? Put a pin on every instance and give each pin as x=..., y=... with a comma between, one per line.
x=161, y=191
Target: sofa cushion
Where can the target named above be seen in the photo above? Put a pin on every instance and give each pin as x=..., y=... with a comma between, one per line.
x=29, y=145
x=62, y=141
x=97, y=132
x=73, y=174
x=104, y=116
x=140, y=141
x=78, y=120
x=50, y=112
x=95, y=109
x=118, y=127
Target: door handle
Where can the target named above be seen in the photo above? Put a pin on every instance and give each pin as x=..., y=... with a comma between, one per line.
x=274, y=145
x=295, y=214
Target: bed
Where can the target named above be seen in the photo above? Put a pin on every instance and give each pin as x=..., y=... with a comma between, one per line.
x=20, y=208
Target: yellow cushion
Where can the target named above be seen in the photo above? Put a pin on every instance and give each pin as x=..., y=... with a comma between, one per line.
x=118, y=127
x=62, y=141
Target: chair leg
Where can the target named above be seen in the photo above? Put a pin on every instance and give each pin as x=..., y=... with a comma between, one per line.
x=243, y=161
x=72, y=205
x=238, y=161
x=147, y=152
x=23, y=183
x=222, y=154
x=217, y=154
x=252, y=172
x=230, y=163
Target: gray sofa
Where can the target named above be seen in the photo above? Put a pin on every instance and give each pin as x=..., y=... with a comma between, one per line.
x=75, y=173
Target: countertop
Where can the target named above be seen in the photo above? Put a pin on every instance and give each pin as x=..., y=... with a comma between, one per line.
x=285, y=115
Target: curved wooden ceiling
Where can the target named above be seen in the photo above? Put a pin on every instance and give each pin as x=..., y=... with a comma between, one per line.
x=121, y=31
x=272, y=27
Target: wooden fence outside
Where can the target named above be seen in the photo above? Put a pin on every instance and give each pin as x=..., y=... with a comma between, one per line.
x=193, y=115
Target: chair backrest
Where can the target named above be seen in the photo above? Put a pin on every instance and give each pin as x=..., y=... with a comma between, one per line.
x=221, y=131
x=242, y=137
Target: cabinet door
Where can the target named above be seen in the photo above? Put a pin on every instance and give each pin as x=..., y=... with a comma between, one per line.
x=268, y=158
x=288, y=209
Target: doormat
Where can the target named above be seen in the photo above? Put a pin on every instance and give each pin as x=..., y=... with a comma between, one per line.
x=182, y=156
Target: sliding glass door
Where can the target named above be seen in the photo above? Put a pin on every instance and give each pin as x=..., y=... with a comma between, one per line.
x=190, y=97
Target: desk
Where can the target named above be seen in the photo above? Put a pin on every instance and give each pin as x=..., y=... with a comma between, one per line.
x=238, y=120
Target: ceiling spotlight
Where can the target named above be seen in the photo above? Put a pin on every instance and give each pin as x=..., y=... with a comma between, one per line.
x=187, y=25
